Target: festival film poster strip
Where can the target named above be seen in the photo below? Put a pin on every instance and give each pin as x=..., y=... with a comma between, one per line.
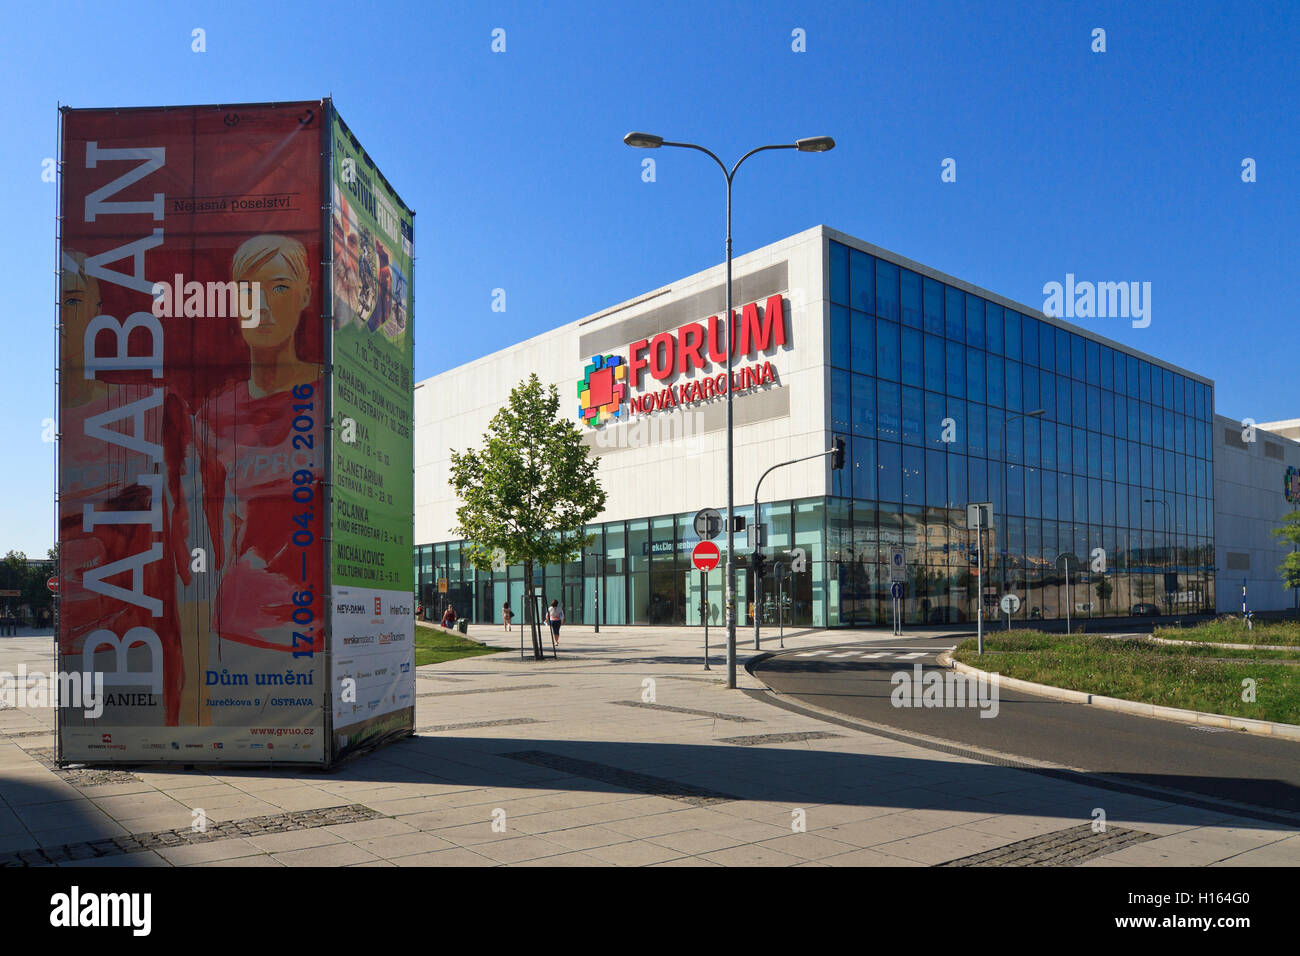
x=190, y=473
x=371, y=576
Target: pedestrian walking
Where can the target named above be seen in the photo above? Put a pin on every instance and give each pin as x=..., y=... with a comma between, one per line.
x=507, y=615
x=555, y=617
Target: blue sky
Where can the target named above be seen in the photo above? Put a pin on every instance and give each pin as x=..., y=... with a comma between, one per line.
x=1115, y=166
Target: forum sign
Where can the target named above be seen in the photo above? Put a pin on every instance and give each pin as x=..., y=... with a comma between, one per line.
x=614, y=387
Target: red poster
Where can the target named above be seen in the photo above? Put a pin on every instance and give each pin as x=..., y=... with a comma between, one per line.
x=191, y=433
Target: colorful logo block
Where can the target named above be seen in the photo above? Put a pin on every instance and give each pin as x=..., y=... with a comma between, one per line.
x=1291, y=485
x=602, y=390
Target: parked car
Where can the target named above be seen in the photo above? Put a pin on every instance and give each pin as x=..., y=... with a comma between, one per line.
x=1145, y=610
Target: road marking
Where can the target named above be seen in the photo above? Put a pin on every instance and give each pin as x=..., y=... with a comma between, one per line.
x=845, y=654
x=877, y=654
x=914, y=654
x=810, y=653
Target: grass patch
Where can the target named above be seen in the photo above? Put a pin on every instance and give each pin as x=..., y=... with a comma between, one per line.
x=1207, y=679
x=1231, y=630
x=433, y=645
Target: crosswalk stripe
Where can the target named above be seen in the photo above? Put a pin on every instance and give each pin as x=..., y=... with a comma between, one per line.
x=877, y=654
x=845, y=654
x=810, y=653
x=908, y=657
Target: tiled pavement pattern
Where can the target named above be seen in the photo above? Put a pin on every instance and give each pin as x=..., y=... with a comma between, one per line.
x=188, y=836
x=693, y=712
x=598, y=798
x=1062, y=848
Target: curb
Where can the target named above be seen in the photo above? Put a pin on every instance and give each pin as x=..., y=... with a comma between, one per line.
x=1231, y=647
x=1265, y=728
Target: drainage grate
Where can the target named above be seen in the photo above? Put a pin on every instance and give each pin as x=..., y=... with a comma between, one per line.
x=469, y=725
x=184, y=836
x=640, y=782
x=483, y=690
x=82, y=776
x=1059, y=848
x=686, y=710
x=760, y=739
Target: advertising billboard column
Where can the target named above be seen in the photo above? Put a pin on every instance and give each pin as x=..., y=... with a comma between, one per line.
x=191, y=372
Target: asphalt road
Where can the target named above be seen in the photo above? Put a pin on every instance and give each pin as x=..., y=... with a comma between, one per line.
x=855, y=680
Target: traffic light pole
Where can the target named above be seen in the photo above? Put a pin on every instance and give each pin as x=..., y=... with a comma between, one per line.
x=838, y=450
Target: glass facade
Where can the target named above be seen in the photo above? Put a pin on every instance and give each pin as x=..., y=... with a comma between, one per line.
x=933, y=389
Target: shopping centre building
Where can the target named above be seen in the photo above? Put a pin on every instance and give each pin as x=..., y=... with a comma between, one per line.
x=946, y=394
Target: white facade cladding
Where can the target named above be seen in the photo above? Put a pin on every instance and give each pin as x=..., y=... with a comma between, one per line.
x=1256, y=484
x=672, y=459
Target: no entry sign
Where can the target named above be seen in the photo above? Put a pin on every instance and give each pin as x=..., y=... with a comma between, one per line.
x=706, y=556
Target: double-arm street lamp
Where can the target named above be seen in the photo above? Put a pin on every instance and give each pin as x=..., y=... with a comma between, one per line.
x=813, y=144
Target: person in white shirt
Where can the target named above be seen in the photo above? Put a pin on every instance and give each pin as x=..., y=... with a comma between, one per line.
x=555, y=617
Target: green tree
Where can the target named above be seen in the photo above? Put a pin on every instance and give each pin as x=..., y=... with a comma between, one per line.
x=1104, y=590
x=529, y=491
x=1290, y=568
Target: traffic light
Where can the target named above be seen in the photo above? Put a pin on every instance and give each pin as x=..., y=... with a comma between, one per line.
x=837, y=456
x=759, y=561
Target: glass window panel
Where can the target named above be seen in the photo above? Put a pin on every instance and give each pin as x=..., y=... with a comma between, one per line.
x=936, y=479
x=862, y=281
x=1093, y=371
x=1063, y=353
x=1012, y=334
x=889, y=472
x=887, y=357
x=956, y=409
x=1132, y=377
x=1108, y=456
x=1080, y=502
x=934, y=366
x=994, y=418
x=1078, y=359
x=1107, y=367
x=993, y=323
x=1063, y=399
x=933, y=307
x=1107, y=422
x=974, y=375
x=863, y=357
x=1015, y=491
x=1049, y=494
x=1063, y=446
x=1033, y=442
x=935, y=414
x=1078, y=404
x=1093, y=453
x=913, y=416
x=1047, y=444
x=886, y=290
x=1029, y=388
x=864, y=468
x=889, y=411
x=1015, y=439
x=1047, y=395
x=1047, y=348
x=976, y=432
x=955, y=354
x=839, y=255
x=1144, y=381
x=863, y=408
x=995, y=380
x=839, y=336
x=910, y=344
x=910, y=298
x=1014, y=398
x=1079, y=451
x=1033, y=492
x=957, y=480
x=913, y=477
x=841, y=403
x=954, y=314
x=978, y=483
x=1168, y=377
x=974, y=321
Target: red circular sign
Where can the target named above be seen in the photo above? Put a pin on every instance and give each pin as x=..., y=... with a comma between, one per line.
x=53, y=584
x=706, y=556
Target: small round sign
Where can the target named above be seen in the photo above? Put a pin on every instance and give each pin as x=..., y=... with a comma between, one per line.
x=53, y=584
x=706, y=556
x=896, y=590
x=1010, y=604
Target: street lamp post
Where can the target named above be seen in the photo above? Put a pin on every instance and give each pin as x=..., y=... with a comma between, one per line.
x=1006, y=521
x=813, y=144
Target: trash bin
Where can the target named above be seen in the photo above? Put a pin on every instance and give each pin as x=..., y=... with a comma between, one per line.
x=463, y=626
